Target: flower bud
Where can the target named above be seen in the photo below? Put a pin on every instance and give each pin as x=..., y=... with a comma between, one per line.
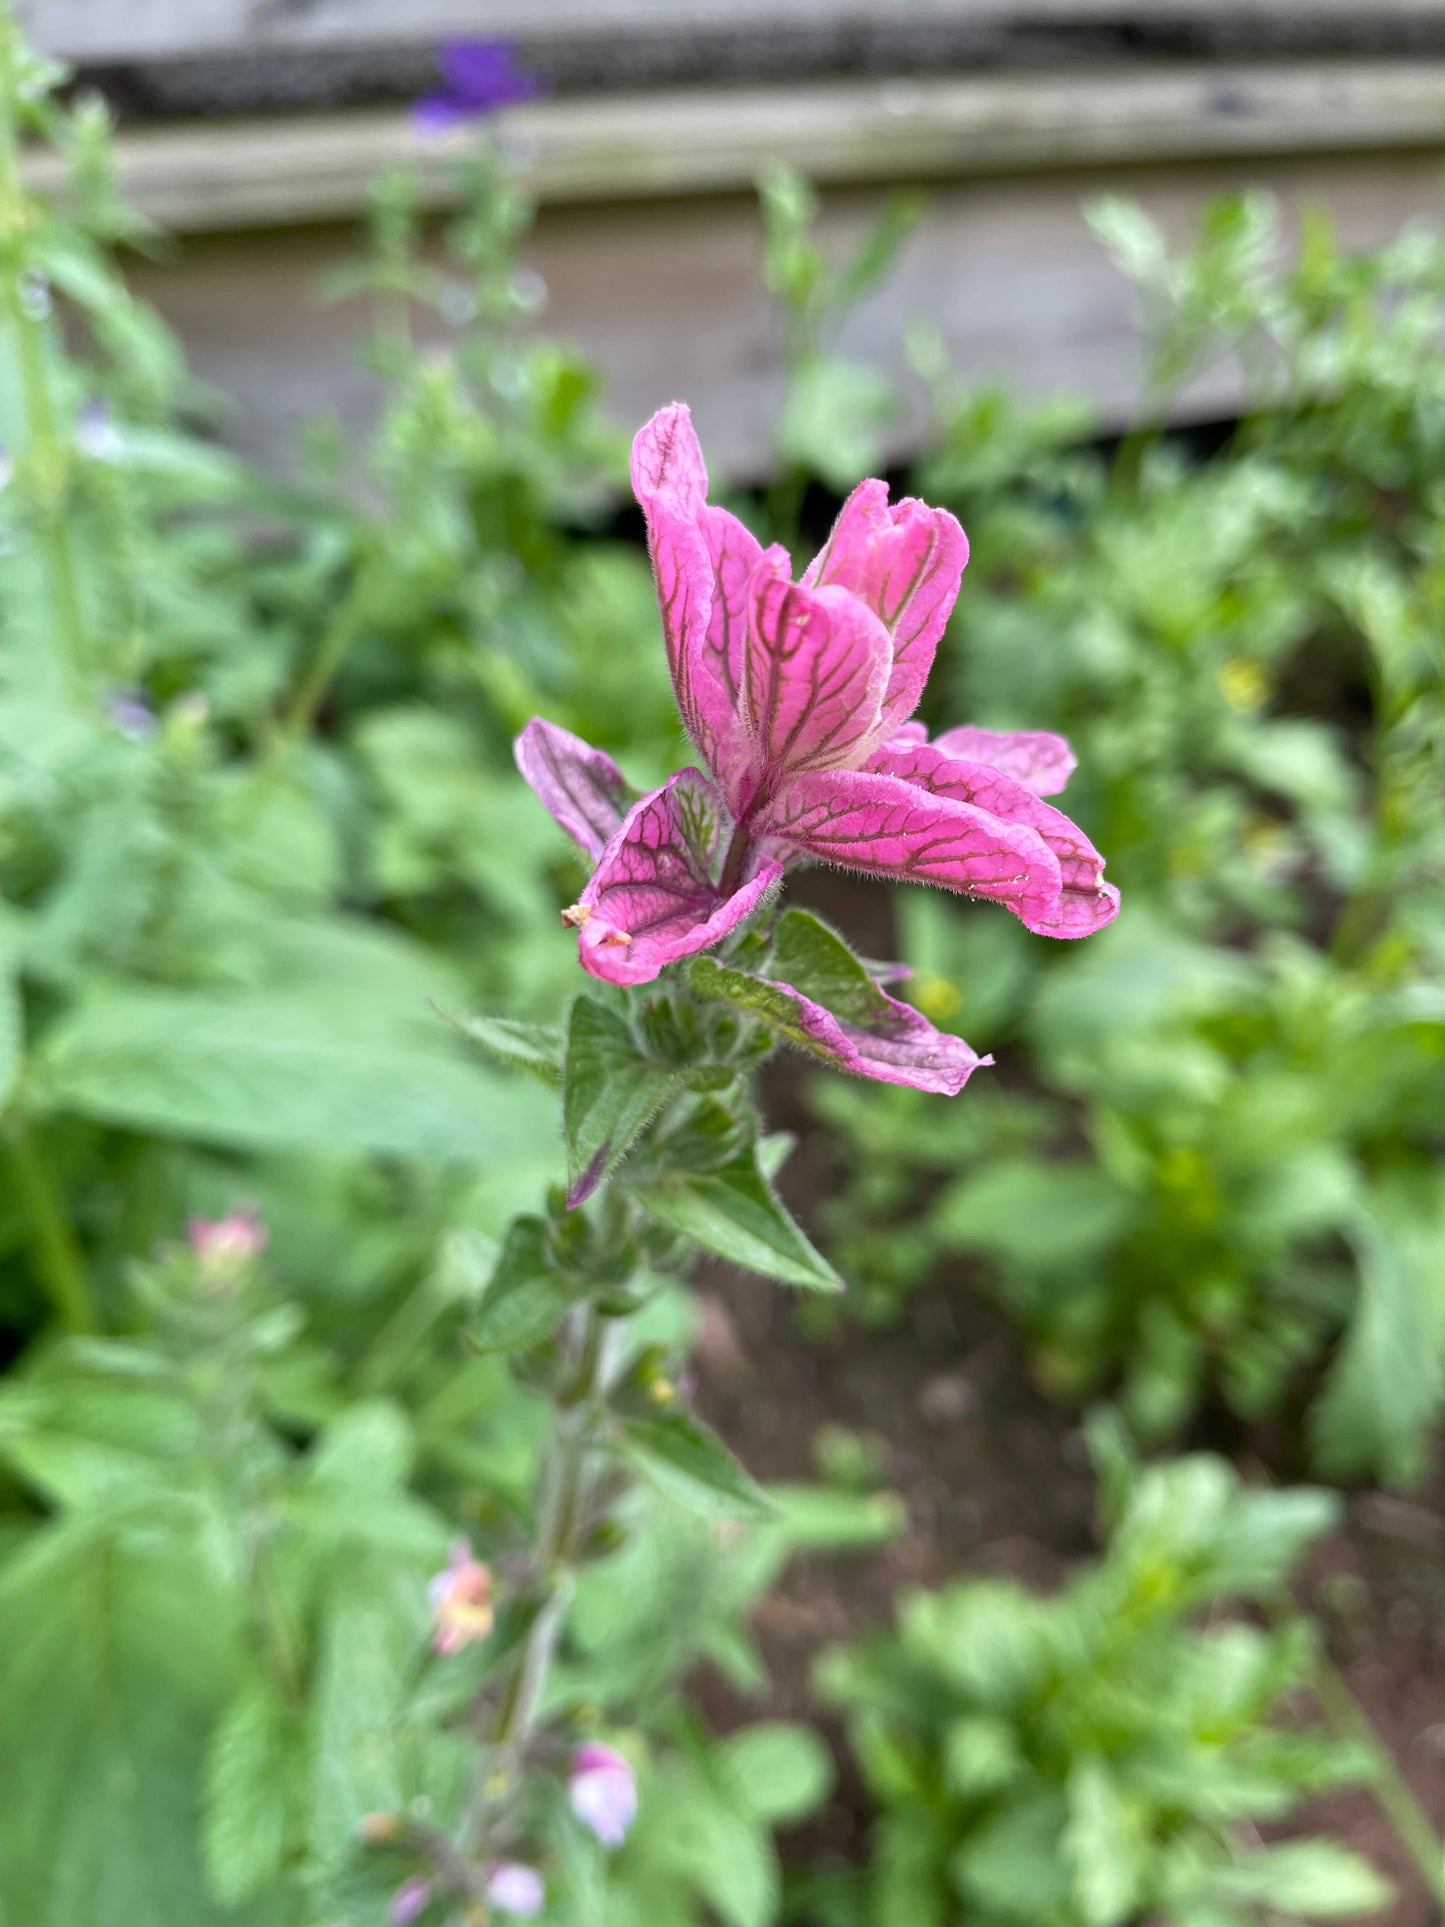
x=227, y=1245
x=410, y=1900
x=513, y=1888
x=461, y=1600
x=603, y=1791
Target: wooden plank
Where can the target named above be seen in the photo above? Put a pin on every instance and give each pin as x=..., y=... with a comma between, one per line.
x=139, y=30
x=207, y=176
x=664, y=297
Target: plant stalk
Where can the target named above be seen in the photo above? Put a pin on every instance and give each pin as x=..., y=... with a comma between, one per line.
x=1392, y=1791
x=58, y=1260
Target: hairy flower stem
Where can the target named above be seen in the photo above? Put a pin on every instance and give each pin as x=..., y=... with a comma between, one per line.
x=49, y=455
x=736, y=861
x=562, y=1513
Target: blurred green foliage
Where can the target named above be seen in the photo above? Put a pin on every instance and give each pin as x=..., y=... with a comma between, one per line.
x=1097, y=1757
x=1223, y=1158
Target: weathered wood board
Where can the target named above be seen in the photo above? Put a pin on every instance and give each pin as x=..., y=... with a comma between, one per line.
x=205, y=176
x=132, y=30
x=664, y=296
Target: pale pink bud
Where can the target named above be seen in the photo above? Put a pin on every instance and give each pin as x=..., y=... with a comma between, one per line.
x=603, y=1790
x=409, y=1900
x=461, y=1600
x=515, y=1889
x=230, y=1243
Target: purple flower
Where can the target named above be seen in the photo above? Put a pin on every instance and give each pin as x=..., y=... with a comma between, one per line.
x=603, y=1792
x=515, y=1889
x=131, y=714
x=96, y=434
x=478, y=76
x=797, y=696
x=410, y=1899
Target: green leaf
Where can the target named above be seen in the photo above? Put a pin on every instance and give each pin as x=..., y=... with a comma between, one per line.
x=255, y=1072
x=735, y=1213
x=1384, y=1386
x=251, y=1776
x=690, y=1463
x=1317, y=1878
x=1102, y=1841
x=1036, y=1214
x=980, y=1755
x=610, y=1092
x=780, y=1772
x=117, y=1653
x=525, y=1047
x=1013, y=1865
x=12, y=1021
x=526, y=1296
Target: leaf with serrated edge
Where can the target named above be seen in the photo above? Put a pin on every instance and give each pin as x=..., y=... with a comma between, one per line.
x=686, y=1460
x=610, y=1093
x=536, y=1048
x=735, y=1213
x=525, y=1297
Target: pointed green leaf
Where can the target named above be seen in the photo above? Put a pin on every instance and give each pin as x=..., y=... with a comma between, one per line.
x=610, y=1092
x=251, y=1777
x=690, y=1463
x=536, y=1048
x=734, y=1212
x=526, y=1295
x=1385, y=1383
x=1317, y=1878
x=253, y=1071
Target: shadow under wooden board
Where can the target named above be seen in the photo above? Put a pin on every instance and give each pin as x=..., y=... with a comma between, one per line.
x=110, y=30
x=664, y=296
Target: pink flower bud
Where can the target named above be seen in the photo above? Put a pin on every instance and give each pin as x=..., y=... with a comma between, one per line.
x=461, y=1600
x=603, y=1790
x=409, y=1900
x=515, y=1889
x=225, y=1245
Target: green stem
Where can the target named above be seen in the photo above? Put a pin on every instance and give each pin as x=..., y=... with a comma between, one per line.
x=49, y=454
x=1391, y=1790
x=561, y=1515
x=58, y=1259
x=562, y=1512
x=330, y=653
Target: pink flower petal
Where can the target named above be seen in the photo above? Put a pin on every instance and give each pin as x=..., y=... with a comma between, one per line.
x=861, y=1029
x=685, y=588
x=1037, y=758
x=602, y=1789
x=815, y=669
x=866, y=820
x=667, y=459
x=1084, y=903
x=654, y=897
x=584, y=790
x=905, y=564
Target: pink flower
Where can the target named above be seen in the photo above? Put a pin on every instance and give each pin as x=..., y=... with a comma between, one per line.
x=513, y=1888
x=461, y=1601
x=227, y=1244
x=603, y=1792
x=410, y=1899
x=797, y=696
